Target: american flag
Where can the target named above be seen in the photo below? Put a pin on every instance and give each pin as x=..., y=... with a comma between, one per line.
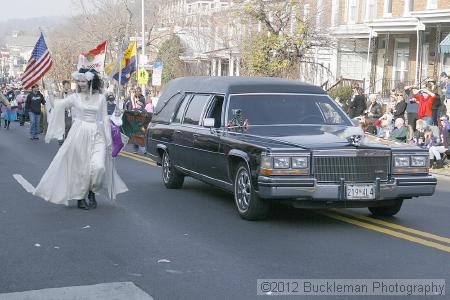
x=39, y=63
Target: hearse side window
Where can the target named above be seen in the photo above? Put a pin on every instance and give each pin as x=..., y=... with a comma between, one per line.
x=182, y=108
x=215, y=111
x=195, y=109
x=288, y=109
x=166, y=111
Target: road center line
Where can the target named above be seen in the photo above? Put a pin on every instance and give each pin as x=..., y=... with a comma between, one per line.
x=394, y=226
x=24, y=183
x=137, y=159
x=386, y=231
x=138, y=156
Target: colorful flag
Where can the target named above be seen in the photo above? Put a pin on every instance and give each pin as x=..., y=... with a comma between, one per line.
x=128, y=65
x=39, y=63
x=93, y=59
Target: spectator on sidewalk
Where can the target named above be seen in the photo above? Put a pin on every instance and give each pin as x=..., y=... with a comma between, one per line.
x=425, y=98
x=357, y=104
x=400, y=106
x=400, y=132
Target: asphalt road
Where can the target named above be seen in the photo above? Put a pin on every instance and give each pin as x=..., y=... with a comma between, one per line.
x=191, y=244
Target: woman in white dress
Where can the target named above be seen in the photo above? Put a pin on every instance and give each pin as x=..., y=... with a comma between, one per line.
x=83, y=165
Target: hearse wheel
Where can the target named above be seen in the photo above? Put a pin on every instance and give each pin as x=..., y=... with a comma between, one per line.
x=171, y=178
x=388, y=210
x=249, y=205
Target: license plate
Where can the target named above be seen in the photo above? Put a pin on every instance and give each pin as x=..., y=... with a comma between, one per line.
x=360, y=191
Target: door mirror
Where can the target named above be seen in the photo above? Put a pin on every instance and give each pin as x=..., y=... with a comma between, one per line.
x=209, y=122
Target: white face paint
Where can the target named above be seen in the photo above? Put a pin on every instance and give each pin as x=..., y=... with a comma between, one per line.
x=83, y=84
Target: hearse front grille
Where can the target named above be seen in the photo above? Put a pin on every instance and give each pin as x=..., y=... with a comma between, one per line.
x=356, y=166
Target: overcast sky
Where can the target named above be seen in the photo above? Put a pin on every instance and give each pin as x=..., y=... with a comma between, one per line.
x=20, y=9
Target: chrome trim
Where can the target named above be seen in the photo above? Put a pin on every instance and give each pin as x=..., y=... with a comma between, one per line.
x=352, y=152
x=354, y=165
x=202, y=175
x=321, y=192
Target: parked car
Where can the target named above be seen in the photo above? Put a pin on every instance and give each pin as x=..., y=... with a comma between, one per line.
x=268, y=139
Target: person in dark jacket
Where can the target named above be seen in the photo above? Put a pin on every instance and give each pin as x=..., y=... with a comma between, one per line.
x=431, y=85
x=33, y=107
x=400, y=106
x=373, y=113
x=357, y=104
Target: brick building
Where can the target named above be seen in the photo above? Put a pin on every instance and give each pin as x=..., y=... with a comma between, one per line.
x=390, y=43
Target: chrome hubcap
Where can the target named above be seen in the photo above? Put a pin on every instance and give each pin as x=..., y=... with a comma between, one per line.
x=166, y=168
x=243, y=190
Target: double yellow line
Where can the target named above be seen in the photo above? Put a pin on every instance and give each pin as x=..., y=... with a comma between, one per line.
x=351, y=217
x=138, y=157
x=392, y=229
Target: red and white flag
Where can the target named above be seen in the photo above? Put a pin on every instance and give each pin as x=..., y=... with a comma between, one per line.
x=93, y=59
x=39, y=64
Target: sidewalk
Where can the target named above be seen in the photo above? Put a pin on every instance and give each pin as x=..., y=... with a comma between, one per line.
x=444, y=171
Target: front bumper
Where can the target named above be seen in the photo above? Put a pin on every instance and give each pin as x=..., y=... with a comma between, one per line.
x=307, y=188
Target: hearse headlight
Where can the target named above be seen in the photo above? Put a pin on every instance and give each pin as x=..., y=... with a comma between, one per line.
x=401, y=161
x=299, y=162
x=281, y=162
x=284, y=165
x=419, y=161
x=266, y=162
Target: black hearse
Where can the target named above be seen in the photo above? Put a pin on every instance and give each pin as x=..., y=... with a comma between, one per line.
x=265, y=139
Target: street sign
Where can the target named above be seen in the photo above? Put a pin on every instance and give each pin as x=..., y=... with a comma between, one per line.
x=157, y=74
x=142, y=76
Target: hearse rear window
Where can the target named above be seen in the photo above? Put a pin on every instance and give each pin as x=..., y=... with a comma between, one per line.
x=281, y=109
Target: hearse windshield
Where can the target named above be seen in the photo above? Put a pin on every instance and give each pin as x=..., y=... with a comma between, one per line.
x=284, y=109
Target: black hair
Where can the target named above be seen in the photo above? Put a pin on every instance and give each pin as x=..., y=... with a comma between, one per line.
x=65, y=81
x=96, y=83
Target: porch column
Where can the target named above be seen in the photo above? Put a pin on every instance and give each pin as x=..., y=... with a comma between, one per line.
x=238, y=66
x=219, y=67
x=231, y=67
x=213, y=67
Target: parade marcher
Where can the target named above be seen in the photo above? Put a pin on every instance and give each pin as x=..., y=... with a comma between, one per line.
x=4, y=103
x=110, y=103
x=9, y=113
x=149, y=105
x=33, y=108
x=358, y=103
x=137, y=104
x=83, y=165
x=21, y=98
x=66, y=91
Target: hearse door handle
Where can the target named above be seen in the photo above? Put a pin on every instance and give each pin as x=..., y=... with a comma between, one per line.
x=177, y=131
x=196, y=135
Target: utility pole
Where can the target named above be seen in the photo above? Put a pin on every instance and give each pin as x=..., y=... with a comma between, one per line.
x=143, y=43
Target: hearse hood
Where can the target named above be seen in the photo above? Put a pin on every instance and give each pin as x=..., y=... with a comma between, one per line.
x=310, y=137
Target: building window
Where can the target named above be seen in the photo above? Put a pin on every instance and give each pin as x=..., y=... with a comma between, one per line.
x=335, y=13
x=431, y=4
x=352, y=12
x=371, y=10
x=388, y=7
x=409, y=7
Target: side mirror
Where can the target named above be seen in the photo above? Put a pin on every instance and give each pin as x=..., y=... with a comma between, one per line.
x=209, y=122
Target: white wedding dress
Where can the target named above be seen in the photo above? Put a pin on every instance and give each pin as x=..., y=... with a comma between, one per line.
x=84, y=162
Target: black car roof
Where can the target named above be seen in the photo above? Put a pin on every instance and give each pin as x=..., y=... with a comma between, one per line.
x=238, y=85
